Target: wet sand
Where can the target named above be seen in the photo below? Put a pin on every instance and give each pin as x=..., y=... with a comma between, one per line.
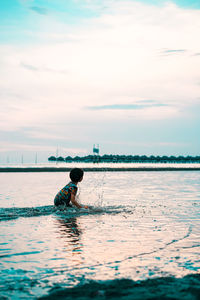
x=169, y=288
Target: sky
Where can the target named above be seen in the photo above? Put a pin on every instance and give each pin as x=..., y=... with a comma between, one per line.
x=121, y=74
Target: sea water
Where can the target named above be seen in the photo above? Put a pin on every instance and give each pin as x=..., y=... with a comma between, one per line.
x=141, y=225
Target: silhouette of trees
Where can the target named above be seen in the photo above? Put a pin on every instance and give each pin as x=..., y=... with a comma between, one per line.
x=110, y=158
x=52, y=158
x=68, y=159
x=60, y=158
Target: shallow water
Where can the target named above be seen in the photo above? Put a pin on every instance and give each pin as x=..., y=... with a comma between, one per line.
x=142, y=225
x=101, y=165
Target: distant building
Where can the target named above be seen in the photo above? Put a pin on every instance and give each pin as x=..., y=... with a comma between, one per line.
x=96, y=150
x=96, y=153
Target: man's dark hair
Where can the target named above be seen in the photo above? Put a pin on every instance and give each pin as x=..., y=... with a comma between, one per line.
x=76, y=174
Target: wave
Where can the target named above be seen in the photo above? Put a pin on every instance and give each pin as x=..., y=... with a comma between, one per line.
x=16, y=212
x=187, y=287
x=12, y=213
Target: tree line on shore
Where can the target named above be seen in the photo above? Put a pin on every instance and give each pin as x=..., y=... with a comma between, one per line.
x=110, y=158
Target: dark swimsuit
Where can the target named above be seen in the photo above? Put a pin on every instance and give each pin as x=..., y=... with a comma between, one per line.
x=64, y=196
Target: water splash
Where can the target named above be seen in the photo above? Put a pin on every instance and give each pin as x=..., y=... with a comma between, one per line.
x=12, y=213
x=16, y=212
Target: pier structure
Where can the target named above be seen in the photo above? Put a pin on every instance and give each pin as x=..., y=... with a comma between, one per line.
x=96, y=153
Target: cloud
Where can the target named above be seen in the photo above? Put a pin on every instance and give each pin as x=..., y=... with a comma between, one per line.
x=125, y=106
x=39, y=10
x=41, y=69
x=173, y=51
x=101, y=64
x=29, y=67
x=20, y=147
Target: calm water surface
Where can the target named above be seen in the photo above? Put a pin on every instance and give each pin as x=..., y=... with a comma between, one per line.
x=143, y=225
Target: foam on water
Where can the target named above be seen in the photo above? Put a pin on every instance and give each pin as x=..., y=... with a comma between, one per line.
x=12, y=213
x=16, y=212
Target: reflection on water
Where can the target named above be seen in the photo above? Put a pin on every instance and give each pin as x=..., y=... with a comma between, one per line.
x=70, y=231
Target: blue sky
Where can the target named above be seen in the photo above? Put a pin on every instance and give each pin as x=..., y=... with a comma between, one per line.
x=124, y=74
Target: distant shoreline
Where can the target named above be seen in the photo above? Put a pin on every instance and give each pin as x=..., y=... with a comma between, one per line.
x=96, y=169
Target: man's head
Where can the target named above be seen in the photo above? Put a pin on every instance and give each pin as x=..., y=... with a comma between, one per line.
x=76, y=175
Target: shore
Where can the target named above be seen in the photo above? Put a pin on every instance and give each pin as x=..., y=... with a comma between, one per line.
x=158, y=288
x=97, y=169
